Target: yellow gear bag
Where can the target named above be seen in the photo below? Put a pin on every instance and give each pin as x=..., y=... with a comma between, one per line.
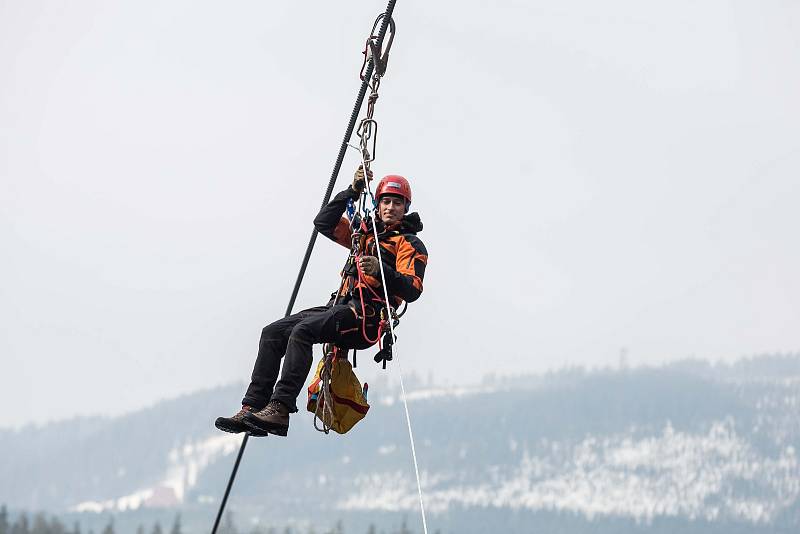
x=349, y=402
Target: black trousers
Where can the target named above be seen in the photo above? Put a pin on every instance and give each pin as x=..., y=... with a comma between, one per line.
x=292, y=338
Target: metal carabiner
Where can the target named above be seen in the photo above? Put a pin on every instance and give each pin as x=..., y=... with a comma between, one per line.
x=368, y=131
x=380, y=58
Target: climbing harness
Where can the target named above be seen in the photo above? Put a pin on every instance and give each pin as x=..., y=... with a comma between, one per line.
x=376, y=58
x=321, y=400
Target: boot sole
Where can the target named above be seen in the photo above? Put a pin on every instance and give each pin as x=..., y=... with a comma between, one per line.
x=258, y=425
x=255, y=432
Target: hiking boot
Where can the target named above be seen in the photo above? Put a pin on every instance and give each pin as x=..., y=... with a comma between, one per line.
x=236, y=425
x=273, y=419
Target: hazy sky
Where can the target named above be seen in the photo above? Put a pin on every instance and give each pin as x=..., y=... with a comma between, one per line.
x=590, y=176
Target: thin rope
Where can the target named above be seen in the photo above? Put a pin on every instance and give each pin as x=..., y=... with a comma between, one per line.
x=411, y=438
x=390, y=319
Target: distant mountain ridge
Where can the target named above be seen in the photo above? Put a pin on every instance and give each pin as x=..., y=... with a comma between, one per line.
x=690, y=441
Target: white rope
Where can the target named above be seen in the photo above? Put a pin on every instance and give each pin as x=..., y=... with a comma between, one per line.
x=394, y=353
x=411, y=437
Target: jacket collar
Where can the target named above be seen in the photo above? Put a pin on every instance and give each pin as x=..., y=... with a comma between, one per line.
x=409, y=224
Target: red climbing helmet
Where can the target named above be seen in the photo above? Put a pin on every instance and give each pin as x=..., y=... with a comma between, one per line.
x=394, y=184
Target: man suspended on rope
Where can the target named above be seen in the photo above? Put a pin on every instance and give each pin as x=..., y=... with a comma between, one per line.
x=351, y=319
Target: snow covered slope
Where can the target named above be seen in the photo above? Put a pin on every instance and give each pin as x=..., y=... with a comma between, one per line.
x=688, y=442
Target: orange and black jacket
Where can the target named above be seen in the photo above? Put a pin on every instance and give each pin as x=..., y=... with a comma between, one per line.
x=403, y=253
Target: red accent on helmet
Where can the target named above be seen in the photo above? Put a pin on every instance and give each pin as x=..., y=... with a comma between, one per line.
x=394, y=184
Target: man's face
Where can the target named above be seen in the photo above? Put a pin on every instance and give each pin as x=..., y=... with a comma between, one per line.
x=391, y=209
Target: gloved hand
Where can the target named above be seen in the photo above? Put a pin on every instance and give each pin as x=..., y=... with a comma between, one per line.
x=358, y=179
x=369, y=264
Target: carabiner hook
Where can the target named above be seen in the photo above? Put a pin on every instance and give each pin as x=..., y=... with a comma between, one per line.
x=380, y=58
x=368, y=130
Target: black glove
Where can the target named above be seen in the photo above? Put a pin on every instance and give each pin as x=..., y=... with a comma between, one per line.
x=369, y=264
x=358, y=179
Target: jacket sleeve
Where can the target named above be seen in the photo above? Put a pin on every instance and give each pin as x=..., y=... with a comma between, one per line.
x=404, y=279
x=330, y=222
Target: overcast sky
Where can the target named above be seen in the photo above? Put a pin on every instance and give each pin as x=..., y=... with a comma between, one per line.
x=590, y=177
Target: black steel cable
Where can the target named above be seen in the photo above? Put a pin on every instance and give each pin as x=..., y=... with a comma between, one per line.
x=328, y=192
x=230, y=483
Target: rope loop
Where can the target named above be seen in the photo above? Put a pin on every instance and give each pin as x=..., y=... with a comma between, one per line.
x=324, y=410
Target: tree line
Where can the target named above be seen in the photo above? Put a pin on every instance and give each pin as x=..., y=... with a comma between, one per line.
x=40, y=523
